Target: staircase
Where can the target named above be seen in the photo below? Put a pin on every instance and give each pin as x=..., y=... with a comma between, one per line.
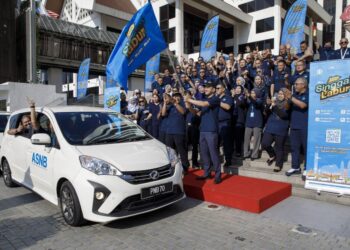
x=260, y=169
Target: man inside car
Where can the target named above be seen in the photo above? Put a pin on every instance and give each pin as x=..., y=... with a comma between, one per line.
x=28, y=125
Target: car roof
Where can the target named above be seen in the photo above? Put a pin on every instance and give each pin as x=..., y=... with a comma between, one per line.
x=64, y=109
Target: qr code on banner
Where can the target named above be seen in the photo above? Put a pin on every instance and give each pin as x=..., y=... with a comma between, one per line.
x=333, y=136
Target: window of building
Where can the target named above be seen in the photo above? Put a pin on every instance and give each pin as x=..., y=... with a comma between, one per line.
x=114, y=30
x=264, y=25
x=256, y=5
x=329, y=29
x=167, y=12
x=265, y=44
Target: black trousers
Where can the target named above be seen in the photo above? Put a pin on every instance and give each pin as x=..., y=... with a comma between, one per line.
x=162, y=137
x=193, y=139
x=225, y=137
x=278, y=151
x=238, y=138
x=178, y=142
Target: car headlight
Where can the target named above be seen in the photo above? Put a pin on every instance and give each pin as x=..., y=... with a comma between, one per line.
x=172, y=156
x=98, y=166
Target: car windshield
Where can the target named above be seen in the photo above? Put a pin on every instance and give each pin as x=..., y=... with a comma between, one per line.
x=3, y=122
x=91, y=128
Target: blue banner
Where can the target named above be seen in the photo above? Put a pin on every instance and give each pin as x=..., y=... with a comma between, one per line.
x=328, y=154
x=210, y=39
x=293, y=27
x=152, y=68
x=112, y=98
x=110, y=83
x=83, y=77
x=140, y=40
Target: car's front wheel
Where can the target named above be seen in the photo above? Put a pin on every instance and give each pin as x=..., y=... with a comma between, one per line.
x=70, y=206
x=7, y=175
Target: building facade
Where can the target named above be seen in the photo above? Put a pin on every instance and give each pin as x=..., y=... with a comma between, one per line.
x=253, y=23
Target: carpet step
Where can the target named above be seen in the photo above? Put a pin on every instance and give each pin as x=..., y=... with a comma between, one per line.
x=245, y=193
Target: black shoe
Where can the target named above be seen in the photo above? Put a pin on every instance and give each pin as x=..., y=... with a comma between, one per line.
x=217, y=181
x=185, y=171
x=203, y=177
x=227, y=164
x=253, y=159
x=277, y=169
x=270, y=161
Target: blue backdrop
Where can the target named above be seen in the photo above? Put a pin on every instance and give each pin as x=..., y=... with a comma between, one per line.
x=293, y=27
x=328, y=155
x=210, y=39
x=83, y=77
x=140, y=39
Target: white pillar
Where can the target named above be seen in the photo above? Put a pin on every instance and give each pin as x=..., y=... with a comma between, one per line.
x=179, y=29
x=311, y=44
x=278, y=26
x=320, y=28
x=347, y=33
x=338, y=23
x=75, y=84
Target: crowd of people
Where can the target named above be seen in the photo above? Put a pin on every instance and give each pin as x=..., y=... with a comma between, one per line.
x=245, y=104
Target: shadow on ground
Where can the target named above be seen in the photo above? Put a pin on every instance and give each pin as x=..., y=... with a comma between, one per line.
x=19, y=200
x=155, y=216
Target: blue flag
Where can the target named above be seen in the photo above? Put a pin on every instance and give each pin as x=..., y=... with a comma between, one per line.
x=210, y=39
x=83, y=77
x=110, y=83
x=140, y=39
x=152, y=67
x=293, y=28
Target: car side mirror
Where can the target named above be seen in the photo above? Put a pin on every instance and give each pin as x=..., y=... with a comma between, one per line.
x=41, y=139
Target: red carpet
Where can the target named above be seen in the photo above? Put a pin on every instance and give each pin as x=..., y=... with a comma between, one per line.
x=249, y=194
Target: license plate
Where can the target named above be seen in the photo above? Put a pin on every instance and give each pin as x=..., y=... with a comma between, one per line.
x=156, y=190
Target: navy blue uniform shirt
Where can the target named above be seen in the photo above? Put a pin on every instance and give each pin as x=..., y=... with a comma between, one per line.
x=176, y=120
x=254, y=118
x=209, y=115
x=339, y=52
x=299, y=116
x=225, y=115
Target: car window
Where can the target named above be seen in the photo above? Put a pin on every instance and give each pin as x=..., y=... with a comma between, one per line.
x=44, y=124
x=91, y=128
x=14, y=121
x=3, y=122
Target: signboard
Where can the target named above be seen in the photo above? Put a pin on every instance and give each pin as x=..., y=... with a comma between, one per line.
x=112, y=99
x=328, y=152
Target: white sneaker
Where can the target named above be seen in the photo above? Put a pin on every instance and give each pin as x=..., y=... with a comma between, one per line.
x=293, y=171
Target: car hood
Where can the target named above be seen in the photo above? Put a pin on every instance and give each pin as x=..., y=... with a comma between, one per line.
x=130, y=156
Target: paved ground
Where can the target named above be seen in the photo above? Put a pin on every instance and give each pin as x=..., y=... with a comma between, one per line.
x=27, y=221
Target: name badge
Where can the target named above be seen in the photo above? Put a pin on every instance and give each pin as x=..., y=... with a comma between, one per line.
x=251, y=114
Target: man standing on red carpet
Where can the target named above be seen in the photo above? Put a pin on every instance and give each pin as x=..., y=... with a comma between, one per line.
x=209, y=127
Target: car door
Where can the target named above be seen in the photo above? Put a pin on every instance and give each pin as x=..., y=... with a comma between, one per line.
x=15, y=148
x=40, y=159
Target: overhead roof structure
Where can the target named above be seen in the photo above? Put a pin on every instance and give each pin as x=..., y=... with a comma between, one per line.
x=75, y=30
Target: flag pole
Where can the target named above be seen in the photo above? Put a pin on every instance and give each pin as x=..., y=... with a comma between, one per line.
x=172, y=64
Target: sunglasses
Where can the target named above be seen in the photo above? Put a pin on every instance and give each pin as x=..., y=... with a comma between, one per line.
x=218, y=87
x=343, y=42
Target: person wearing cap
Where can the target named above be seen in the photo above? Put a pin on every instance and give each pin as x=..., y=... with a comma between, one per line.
x=225, y=119
x=176, y=128
x=209, y=128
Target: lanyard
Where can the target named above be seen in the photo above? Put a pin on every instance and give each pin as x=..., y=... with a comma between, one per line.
x=343, y=55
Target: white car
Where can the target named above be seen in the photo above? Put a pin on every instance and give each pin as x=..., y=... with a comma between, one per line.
x=96, y=165
x=3, y=121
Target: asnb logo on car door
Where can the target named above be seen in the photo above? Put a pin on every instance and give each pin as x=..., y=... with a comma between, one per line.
x=39, y=160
